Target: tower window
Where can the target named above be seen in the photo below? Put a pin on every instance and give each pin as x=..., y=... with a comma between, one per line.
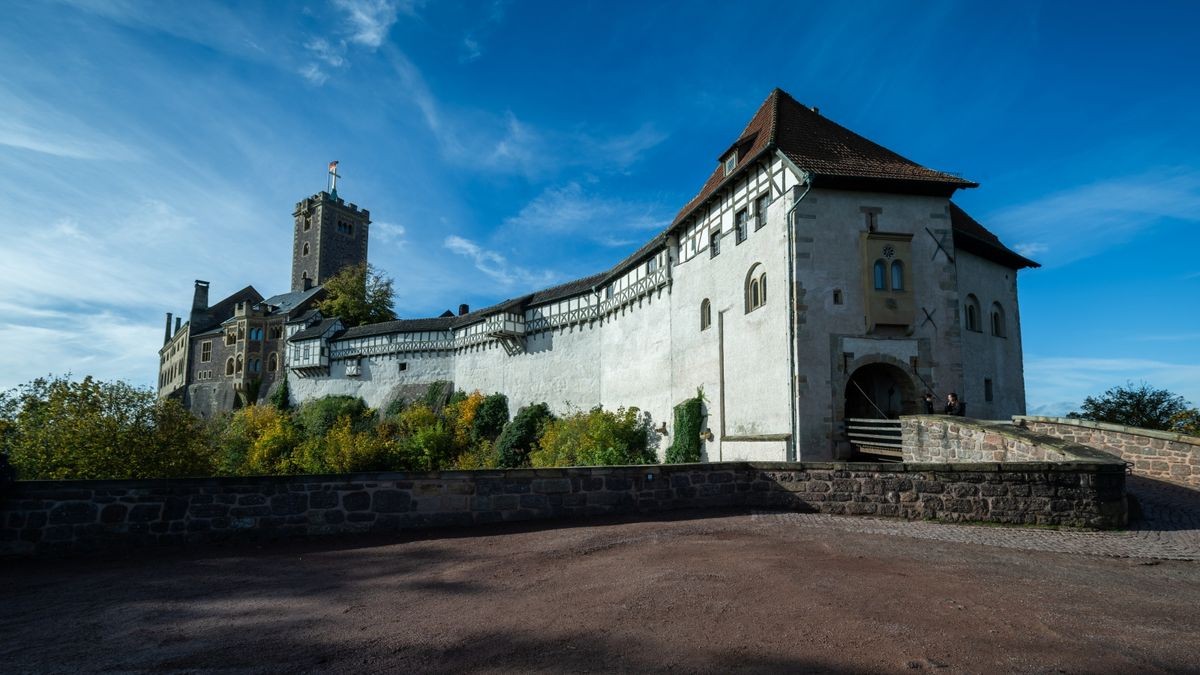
x=206, y=351
x=304, y=251
x=345, y=228
x=307, y=223
x=273, y=362
x=880, y=275
x=837, y=296
x=897, y=275
x=998, y=320
x=229, y=366
x=987, y=390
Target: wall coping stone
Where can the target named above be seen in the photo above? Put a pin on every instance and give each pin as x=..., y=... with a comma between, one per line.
x=1105, y=426
x=1077, y=452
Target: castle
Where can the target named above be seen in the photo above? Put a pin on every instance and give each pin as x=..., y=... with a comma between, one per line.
x=816, y=284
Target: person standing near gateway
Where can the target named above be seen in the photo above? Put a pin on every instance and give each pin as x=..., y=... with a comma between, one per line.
x=955, y=406
x=928, y=403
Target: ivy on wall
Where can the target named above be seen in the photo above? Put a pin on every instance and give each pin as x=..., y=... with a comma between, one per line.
x=689, y=420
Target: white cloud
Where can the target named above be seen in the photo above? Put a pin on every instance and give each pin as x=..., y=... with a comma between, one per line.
x=1085, y=220
x=333, y=55
x=313, y=73
x=388, y=233
x=497, y=266
x=471, y=50
x=570, y=210
x=1060, y=384
x=370, y=20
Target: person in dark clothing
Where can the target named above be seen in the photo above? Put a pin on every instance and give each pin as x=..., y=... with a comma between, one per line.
x=928, y=403
x=955, y=406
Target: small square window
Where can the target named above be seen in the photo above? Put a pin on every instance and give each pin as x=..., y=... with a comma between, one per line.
x=731, y=162
x=403, y=366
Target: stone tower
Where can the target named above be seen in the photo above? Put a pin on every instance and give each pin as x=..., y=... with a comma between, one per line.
x=329, y=235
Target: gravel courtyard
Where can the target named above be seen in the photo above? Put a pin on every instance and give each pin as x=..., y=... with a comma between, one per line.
x=753, y=591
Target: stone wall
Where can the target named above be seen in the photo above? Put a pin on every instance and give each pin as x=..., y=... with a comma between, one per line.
x=71, y=517
x=1157, y=454
x=941, y=438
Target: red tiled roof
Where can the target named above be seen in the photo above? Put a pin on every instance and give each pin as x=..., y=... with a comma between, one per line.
x=822, y=147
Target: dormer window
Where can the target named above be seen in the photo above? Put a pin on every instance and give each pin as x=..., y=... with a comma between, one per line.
x=731, y=162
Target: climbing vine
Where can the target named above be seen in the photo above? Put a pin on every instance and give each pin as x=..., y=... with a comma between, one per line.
x=689, y=420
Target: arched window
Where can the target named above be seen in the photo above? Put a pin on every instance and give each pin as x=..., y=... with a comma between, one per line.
x=997, y=320
x=705, y=314
x=305, y=251
x=255, y=365
x=237, y=368
x=897, y=275
x=972, y=314
x=880, y=275
x=273, y=362
x=756, y=288
x=229, y=366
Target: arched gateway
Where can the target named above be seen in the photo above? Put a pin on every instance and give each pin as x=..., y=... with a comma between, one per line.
x=876, y=395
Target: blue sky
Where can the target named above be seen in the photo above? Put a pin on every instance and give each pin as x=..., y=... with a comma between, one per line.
x=505, y=146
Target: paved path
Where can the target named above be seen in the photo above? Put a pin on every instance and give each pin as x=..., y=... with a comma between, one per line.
x=1169, y=528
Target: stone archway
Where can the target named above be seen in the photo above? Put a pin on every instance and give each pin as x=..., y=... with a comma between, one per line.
x=880, y=390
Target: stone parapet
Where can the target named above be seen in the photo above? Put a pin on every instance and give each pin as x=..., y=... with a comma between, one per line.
x=74, y=517
x=1156, y=454
x=943, y=438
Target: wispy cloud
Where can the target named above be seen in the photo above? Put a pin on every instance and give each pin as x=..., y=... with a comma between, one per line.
x=1085, y=220
x=571, y=210
x=497, y=266
x=368, y=21
x=388, y=233
x=1059, y=384
x=472, y=42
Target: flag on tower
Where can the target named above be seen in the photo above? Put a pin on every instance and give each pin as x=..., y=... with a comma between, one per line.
x=333, y=166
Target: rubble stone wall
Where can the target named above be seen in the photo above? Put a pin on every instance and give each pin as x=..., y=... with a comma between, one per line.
x=74, y=517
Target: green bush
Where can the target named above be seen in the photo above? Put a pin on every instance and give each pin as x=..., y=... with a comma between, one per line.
x=689, y=419
x=490, y=418
x=282, y=396
x=598, y=438
x=315, y=418
x=520, y=435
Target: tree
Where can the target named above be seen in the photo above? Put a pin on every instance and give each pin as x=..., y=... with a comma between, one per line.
x=358, y=295
x=282, y=397
x=54, y=428
x=520, y=436
x=490, y=418
x=1132, y=405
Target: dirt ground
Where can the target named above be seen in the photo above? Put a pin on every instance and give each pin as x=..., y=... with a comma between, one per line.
x=712, y=594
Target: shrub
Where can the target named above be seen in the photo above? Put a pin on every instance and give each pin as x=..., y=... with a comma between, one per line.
x=689, y=419
x=480, y=456
x=490, y=419
x=520, y=435
x=315, y=418
x=598, y=438
x=257, y=440
x=281, y=398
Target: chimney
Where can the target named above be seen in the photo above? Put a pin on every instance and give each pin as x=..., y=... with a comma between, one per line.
x=167, y=330
x=200, y=299
x=178, y=321
x=463, y=309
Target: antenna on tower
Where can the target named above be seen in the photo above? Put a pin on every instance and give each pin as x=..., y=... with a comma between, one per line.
x=333, y=176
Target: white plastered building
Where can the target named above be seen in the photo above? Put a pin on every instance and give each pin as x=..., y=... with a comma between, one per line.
x=816, y=278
